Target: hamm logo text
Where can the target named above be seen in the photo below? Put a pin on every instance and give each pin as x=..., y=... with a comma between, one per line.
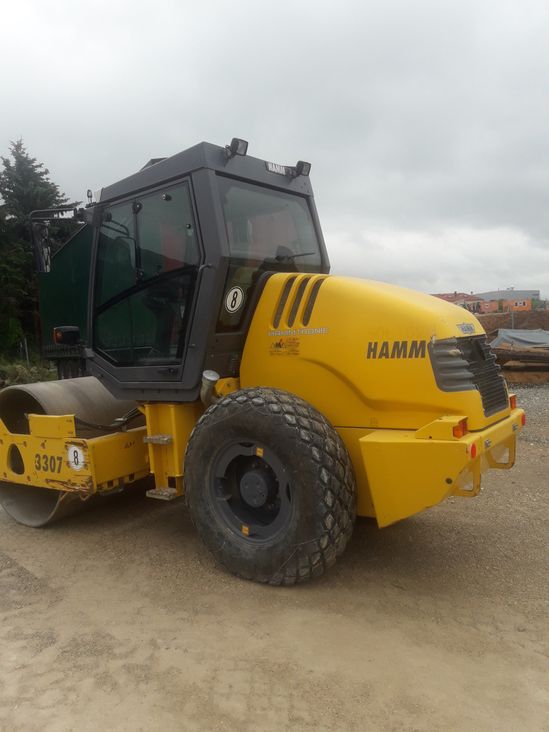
x=396, y=349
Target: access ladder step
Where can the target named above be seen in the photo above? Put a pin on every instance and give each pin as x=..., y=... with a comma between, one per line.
x=158, y=440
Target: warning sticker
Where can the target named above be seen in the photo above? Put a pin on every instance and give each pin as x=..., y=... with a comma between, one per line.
x=285, y=347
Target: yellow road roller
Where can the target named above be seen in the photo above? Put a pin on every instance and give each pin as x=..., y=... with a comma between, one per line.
x=201, y=341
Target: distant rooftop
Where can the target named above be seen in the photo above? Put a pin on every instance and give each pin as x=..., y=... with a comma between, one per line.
x=457, y=297
x=509, y=294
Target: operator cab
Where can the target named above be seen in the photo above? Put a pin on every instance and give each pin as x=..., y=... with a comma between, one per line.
x=179, y=255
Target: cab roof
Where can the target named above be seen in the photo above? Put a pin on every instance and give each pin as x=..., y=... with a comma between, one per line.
x=205, y=155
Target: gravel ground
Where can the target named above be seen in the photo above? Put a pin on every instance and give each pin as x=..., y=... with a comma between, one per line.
x=535, y=400
x=119, y=619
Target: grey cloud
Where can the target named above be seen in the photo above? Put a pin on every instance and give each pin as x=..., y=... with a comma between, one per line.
x=425, y=122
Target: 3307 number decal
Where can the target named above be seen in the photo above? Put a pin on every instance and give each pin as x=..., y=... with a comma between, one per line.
x=48, y=463
x=53, y=463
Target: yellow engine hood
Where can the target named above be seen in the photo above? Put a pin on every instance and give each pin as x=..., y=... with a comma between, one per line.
x=358, y=350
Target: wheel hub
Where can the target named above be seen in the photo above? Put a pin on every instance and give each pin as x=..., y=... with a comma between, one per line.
x=251, y=491
x=254, y=488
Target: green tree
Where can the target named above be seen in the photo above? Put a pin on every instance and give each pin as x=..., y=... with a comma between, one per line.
x=24, y=187
x=13, y=290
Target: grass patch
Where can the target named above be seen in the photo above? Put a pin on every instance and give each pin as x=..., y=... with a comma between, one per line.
x=19, y=372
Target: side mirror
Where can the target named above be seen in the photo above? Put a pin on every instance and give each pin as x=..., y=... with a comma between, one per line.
x=40, y=236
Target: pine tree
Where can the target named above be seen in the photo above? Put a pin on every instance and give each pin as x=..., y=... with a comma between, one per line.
x=24, y=187
x=13, y=290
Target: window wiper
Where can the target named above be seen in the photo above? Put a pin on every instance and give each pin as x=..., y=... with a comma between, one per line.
x=144, y=284
x=291, y=257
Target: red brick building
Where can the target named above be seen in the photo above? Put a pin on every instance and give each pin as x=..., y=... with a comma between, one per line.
x=469, y=302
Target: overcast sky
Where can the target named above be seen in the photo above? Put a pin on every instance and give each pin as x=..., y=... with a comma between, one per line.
x=426, y=121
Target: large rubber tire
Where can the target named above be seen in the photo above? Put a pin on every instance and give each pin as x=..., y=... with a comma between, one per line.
x=297, y=445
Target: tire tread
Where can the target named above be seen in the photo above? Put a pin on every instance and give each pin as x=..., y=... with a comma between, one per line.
x=335, y=484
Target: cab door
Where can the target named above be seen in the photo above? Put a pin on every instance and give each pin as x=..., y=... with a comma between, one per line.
x=148, y=258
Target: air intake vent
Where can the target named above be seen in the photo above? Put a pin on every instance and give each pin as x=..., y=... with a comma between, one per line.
x=283, y=300
x=311, y=300
x=297, y=300
x=462, y=364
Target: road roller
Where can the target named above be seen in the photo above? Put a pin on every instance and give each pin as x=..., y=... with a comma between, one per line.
x=201, y=343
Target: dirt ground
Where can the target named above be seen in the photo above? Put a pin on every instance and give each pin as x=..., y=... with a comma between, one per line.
x=528, y=320
x=119, y=619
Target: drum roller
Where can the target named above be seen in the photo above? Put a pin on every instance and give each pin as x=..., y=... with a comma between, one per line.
x=84, y=397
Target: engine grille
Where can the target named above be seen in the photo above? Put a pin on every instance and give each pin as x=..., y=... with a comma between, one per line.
x=462, y=364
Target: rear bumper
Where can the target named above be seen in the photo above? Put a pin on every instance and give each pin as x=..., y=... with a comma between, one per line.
x=408, y=471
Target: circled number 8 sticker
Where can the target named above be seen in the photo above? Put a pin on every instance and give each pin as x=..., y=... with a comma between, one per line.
x=234, y=299
x=75, y=457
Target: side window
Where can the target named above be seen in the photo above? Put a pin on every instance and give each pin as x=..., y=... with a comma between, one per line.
x=147, y=264
x=167, y=234
x=115, y=270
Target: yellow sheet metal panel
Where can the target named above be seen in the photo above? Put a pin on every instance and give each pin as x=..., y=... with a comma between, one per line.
x=226, y=386
x=64, y=462
x=407, y=474
x=168, y=430
x=359, y=353
x=118, y=455
x=351, y=436
x=45, y=462
x=441, y=428
x=47, y=425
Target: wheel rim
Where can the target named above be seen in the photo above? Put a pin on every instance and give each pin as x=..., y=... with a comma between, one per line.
x=250, y=491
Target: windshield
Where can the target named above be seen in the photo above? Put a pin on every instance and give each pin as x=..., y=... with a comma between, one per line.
x=265, y=225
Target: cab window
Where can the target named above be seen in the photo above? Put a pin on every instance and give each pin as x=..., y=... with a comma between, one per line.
x=264, y=224
x=267, y=230
x=147, y=262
